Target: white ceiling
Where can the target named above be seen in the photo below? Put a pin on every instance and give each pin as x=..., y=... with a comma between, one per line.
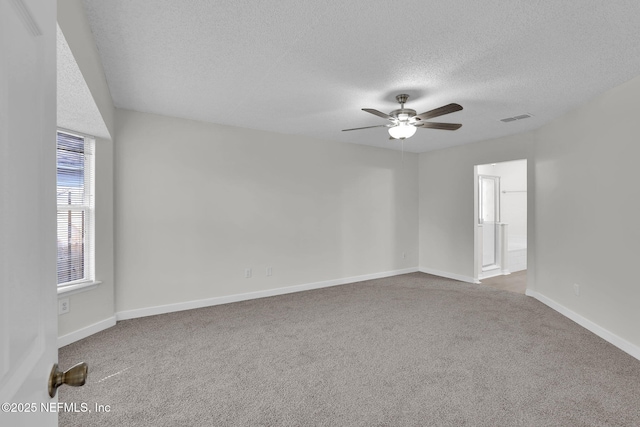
x=308, y=67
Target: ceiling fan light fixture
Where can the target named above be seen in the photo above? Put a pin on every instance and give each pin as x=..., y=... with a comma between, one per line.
x=402, y=131
x=405, y=121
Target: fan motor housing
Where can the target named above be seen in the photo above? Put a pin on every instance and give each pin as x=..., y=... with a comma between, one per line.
x=408, y=111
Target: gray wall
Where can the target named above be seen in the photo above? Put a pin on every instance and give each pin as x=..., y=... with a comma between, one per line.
x=197, y=203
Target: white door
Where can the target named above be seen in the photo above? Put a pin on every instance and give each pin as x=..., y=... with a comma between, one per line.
x=28, y=302
x=489, y=216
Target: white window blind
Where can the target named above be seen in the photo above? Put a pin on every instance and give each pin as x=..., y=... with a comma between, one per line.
x=75, y=176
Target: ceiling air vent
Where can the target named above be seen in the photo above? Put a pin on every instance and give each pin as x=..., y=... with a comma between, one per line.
x=514, y=118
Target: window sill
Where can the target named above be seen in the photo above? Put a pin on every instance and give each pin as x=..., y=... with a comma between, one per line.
x=77, y=288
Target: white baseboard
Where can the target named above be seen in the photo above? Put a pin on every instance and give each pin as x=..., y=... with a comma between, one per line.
x=448, y=275
x=612, y=338
x=490, y=274
x=86, y=331
x=189, y=305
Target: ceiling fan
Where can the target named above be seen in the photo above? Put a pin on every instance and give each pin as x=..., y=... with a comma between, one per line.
x=405, y=121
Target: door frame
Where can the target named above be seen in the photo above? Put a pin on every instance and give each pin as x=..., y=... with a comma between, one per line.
x=477, y=257
x=496, y=237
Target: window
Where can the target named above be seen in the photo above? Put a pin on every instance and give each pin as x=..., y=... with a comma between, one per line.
x=75, y=198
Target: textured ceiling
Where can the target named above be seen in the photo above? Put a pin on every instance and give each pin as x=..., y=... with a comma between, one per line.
x=76, y=108
x=303, y=67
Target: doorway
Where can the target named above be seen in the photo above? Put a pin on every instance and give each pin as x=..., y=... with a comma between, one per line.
x=500, y=204
x=489, y=219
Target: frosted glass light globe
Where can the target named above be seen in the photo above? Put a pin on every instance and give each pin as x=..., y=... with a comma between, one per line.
x=402, y=131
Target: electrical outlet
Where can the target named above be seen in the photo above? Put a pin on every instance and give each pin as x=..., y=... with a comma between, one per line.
x=269, y=271
x=247, y=273
x=63, y=306
x=576, y=289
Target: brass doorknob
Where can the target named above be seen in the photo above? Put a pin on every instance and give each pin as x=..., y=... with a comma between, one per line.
x=75, y=376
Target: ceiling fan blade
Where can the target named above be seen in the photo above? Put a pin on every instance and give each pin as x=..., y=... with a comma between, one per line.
x=442, y=126
x=367, y=127
x=378, y=113
x=447, y=109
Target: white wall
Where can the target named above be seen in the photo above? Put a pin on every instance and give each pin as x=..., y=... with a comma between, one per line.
x=583, y=206
x=587, y=210
x=447, y=214
x=513, y=205
x=93, y=309
x=75, y=27
x=97, y=304
x=197, y=203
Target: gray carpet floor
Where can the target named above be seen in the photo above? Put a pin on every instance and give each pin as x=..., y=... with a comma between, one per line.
x=410, y=350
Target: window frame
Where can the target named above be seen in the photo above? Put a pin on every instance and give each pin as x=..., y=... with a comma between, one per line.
x=88, y=207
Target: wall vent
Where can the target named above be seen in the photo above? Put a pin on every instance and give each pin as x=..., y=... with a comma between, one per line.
x=514, y=118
